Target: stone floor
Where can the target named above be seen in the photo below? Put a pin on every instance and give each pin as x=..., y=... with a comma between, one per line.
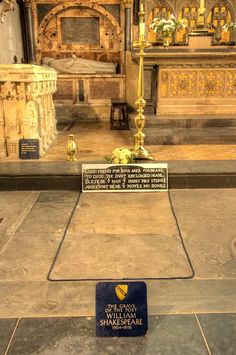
x=186, y=316
x=95, y=141
x=43, y=232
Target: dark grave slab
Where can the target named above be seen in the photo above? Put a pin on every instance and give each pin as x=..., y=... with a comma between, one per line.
x=132, y=177
x=219, y=331
x=29, y=149
x=121, y=309
x=168, y=334
x=6, y=329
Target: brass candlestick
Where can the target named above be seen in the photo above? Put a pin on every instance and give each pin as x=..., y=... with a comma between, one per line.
x=201, y=16
x=139, y=151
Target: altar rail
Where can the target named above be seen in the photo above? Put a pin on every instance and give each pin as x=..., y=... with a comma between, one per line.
x=26, y=107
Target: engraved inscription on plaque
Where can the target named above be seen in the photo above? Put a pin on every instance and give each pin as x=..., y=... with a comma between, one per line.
x=132, y=177
x=80, y=30
x=104, y=90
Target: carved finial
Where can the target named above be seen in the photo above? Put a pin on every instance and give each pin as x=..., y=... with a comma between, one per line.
x=127, y=3
x=8, y=6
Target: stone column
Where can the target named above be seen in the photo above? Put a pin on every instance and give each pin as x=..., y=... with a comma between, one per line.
x=128, y=5
x=29, y=30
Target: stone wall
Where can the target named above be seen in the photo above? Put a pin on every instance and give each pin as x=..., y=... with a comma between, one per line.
x=11, y=37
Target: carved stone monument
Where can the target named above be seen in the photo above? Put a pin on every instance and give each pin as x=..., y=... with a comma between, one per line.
x=26, y=107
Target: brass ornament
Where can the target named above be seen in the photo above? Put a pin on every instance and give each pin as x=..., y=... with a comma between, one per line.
x=139, y=151
x=72, y=148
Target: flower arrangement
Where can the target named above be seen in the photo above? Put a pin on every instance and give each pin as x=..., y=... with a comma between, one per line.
x=229, y=26
x=121, y=156
x=165, y=28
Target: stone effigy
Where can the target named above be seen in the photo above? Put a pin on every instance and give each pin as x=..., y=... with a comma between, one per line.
x=75, y=65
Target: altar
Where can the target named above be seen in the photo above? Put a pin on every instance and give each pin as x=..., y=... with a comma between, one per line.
x=194, y=81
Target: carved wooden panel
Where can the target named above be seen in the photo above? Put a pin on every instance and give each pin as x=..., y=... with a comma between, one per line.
x=218, y=13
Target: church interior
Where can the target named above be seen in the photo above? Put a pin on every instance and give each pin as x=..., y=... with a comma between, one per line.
x=78, y=79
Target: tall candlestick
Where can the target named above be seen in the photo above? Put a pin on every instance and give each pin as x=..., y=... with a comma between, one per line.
x=202, y=5
x=142, y=28
x=139, y=151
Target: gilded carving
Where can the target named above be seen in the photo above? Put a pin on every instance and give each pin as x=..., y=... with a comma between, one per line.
x=197, y=89
x=218, y=13
x=211, y=83
x=199, y=83
x=183, y=83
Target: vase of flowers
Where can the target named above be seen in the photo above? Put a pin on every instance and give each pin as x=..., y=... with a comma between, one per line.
x=229, y=26
x=166, y=28
x=121, y=156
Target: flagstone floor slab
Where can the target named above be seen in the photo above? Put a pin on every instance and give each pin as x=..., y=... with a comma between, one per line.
x=122, y=236
x=121, y=257
x=207, y=220
x=124, y=213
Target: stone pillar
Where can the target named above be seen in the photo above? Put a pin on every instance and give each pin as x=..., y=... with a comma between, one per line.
x=26, y=106
x=29, y=30
x=128, y=5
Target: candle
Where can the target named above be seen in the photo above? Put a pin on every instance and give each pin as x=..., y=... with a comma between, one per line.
x=142, y=28
x=202, y=5
x=141, y=8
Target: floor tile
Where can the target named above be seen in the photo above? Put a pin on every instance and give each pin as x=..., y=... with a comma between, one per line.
x=6, y=329
x=220, y=332
x=175, y=334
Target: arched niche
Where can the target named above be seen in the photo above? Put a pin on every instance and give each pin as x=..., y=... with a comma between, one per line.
x=189, y=12
x=221, y=13
x=160, y=9
x=83, y=28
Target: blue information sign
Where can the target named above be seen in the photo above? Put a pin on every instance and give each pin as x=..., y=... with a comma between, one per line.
x=121, y=309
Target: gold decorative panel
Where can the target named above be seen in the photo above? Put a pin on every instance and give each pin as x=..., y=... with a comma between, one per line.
x=197, y=89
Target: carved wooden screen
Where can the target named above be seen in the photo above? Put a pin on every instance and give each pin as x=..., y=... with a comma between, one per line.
x=162, y=9
x=188, y=12
x=220, y=15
